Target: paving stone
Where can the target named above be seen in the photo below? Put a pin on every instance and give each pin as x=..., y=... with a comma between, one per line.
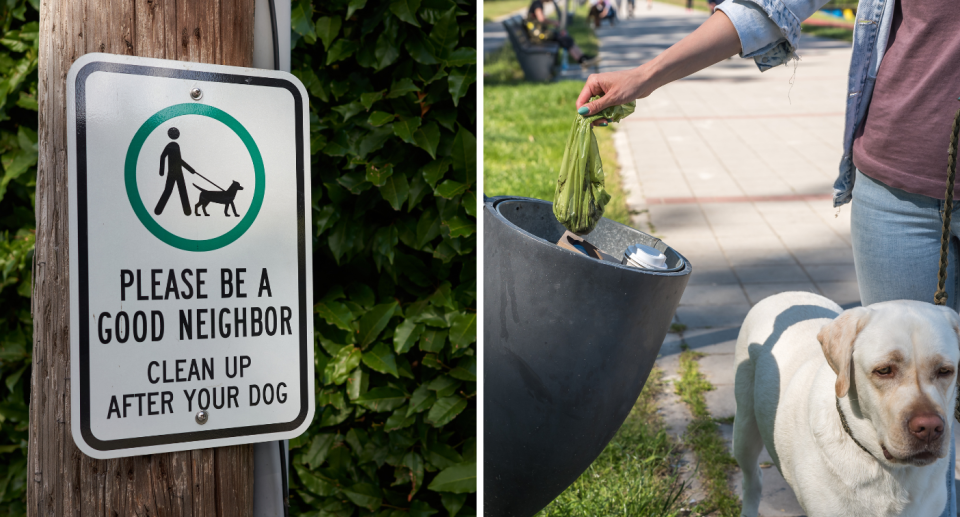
x=671, y=345
x=757, y=292
x=823, y=240
x=832, y=273
x=713, y=295
x=721, y=401
x=712, y=341
x=711, y=316
x=810, y=227
x=755, y=231
x=846, y=294
x=695, y=246
x=711, y=274
x=719, y=367
x=771, y=274
x=842, y=254
x=748, y=241
x=759, y=257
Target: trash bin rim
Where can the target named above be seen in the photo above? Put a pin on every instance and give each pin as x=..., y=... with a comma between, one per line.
x=492, y=203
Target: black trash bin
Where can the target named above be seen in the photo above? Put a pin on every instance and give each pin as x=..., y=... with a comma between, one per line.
x=568, y=343
x=537, y=60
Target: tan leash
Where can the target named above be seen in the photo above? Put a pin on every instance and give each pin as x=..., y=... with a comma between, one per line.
x=940, y=298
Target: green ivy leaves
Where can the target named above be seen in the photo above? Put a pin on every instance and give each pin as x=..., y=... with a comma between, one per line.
x=327, y=27
x=19, y=35
x=394, y=164
x=405, y=10
x=382, y=360
x=459, y=479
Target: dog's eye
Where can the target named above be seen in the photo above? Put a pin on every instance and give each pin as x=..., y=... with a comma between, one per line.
x=944, y=372
x=883, y=372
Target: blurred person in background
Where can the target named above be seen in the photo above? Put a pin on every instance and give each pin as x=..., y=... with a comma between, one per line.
x=541, y=28
x=602, y=10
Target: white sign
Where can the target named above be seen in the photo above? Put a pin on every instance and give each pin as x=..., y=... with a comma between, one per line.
x=190, y=256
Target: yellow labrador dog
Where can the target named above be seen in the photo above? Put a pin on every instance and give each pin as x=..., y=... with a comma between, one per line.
x=807, y=369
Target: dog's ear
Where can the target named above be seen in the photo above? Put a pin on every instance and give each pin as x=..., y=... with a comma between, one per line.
x=954, y=320
x=837, y=339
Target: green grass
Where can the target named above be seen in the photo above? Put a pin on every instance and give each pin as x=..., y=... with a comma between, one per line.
x=704, y=438
x=827, y=32
x=699, y=5
x=526, y=127
x=497, y=8
x=501, y=67
x=525, y=130
x=633, y=476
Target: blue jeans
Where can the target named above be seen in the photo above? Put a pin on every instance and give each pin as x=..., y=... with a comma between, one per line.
x=896, y=251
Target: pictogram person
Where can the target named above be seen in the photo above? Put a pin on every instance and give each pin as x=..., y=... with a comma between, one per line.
x=175, y=174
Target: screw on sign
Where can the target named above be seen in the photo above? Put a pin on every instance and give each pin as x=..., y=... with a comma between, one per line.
x=196, y=328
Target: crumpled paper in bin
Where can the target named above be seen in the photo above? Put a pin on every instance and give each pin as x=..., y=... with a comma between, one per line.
x=580, y=197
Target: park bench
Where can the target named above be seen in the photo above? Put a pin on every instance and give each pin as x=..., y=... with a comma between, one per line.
x=538, y=60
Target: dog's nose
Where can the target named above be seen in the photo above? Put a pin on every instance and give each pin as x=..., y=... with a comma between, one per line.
x=926, y=427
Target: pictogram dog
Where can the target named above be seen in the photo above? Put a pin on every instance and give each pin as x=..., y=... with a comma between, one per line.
x=225, y=198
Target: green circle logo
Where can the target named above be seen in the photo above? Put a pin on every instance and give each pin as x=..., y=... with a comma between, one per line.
x=225, y=197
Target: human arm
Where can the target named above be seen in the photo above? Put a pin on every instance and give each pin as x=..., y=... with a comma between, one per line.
x=163, y=157
x=711, y=43
x=768, y=31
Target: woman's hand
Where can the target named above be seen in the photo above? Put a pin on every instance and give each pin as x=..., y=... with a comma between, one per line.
x=615, y=87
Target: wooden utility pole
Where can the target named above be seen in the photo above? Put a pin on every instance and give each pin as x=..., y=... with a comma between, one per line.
x=62, y=481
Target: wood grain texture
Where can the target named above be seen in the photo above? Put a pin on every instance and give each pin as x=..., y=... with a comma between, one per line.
x=62, y=481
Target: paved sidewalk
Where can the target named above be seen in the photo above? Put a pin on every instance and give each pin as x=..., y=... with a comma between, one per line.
x=494, y=35
x=734, y=168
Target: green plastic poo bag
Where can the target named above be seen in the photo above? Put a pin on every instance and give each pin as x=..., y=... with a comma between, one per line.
x=579, y=200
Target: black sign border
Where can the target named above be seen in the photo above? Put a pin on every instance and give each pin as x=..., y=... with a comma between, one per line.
x=83, y=282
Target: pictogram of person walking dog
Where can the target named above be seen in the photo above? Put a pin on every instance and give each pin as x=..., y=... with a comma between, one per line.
x=175, y=166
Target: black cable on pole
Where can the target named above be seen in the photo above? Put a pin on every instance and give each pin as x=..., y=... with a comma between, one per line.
x=283, y=471
x=276, y=39
x=284, y=487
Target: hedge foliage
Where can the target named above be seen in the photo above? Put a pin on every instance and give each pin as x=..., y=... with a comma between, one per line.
x=393, y=115
x=393, y=118
x=19, y=26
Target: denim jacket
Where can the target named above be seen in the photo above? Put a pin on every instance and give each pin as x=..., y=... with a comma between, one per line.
x=770, y=33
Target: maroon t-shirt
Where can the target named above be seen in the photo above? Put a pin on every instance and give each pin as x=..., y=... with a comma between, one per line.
x=904, y=138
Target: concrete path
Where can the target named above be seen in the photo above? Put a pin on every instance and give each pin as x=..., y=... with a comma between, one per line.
x=734, y=168
x=494, y=37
